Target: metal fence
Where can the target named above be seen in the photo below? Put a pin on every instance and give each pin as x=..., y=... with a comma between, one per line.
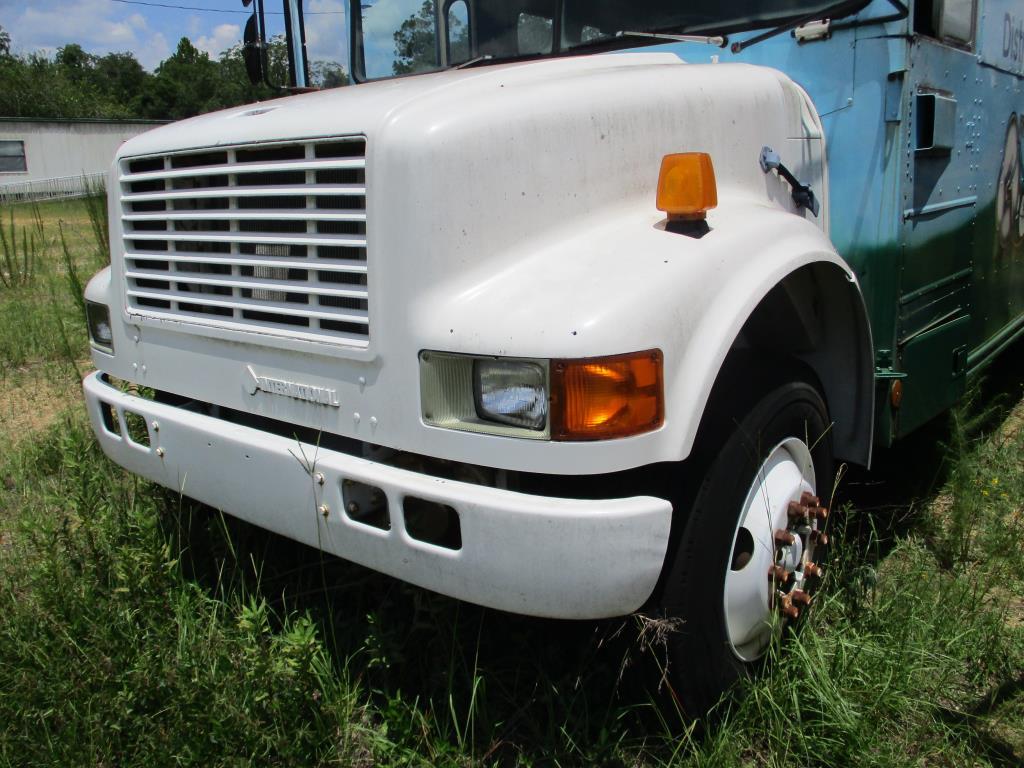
x=51, y=189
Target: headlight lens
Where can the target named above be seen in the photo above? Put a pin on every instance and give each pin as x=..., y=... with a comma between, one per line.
x=100, y=332
x=511, y=392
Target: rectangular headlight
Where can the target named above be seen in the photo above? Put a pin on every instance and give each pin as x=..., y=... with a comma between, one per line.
x=511, y=392
x=100, y=332
x=505, y=396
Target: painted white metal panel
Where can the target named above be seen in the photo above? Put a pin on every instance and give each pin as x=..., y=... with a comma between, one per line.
x=528, y=554
x=511, y=212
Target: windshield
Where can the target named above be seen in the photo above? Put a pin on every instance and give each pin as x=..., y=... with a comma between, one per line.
x=399, y=37
x=326, y=45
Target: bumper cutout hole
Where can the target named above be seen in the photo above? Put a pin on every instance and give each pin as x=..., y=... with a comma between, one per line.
x=110, y=421
x=135, y=427
x=433, y=523
x=365, y=504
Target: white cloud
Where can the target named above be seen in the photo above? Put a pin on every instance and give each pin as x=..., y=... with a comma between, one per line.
x=87, y=22
x=155, y=50
x=325, y=31
x=223, y=37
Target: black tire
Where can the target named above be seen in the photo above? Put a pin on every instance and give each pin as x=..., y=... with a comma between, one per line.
x=701, y=663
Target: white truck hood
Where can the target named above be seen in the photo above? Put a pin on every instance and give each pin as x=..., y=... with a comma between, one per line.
x=510, y=210
x=367, y=107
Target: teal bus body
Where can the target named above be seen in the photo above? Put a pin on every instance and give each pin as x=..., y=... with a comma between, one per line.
x=925, y=169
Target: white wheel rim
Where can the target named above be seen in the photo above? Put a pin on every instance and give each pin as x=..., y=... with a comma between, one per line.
x=784, y=476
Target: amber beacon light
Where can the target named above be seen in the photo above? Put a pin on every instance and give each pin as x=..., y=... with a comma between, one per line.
x=686, y=186
x=599, y=398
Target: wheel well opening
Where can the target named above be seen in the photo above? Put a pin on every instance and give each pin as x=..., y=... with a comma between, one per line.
x=812, y=326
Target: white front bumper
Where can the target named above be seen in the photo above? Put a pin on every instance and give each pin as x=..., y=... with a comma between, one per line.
x=536, y=555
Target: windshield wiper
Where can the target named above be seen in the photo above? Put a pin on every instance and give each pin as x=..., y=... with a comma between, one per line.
x=834, y=11
x=720, y=40
x=471, y=62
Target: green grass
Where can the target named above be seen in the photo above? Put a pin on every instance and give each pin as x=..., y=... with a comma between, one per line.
x=48, y=251
x=138, y=628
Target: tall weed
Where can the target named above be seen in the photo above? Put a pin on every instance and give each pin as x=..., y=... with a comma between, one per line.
x=109, y=656
x=42, y=317
x=22, y=248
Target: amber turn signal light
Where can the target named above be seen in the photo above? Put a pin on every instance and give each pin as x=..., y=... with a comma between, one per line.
x=686, y=186
x=599, y=398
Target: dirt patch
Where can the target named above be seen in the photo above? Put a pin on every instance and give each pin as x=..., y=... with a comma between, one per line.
x=32, y=398
x=1014, y=423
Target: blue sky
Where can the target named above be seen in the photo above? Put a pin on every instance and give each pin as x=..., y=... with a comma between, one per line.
x=151, y=32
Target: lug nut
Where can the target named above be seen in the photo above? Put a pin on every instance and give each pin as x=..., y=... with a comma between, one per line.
x=820, y=537
x=798, y=511
x=810, y=569
x=808, y=499
x=778, y=573
x=784, y=537
x=799, y=597
x=787, y=608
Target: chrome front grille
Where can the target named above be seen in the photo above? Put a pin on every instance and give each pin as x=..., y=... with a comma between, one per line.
x=267, y=238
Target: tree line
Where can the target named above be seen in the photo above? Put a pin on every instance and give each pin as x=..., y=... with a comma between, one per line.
x=75, y=84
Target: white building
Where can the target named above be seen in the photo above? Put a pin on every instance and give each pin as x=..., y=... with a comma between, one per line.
x=57, y=158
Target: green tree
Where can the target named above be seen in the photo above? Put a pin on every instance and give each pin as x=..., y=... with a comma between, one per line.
x=120, y=76
x=327, y=74
x=78, y=64
x=35, y=86
x=184, y=85
x=74, y=83
x=415, y=42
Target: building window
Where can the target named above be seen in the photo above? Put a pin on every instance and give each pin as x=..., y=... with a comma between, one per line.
x=12, y=157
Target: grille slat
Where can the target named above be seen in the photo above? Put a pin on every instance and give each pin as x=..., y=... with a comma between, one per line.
x=300, y=190
x=282, y=308
x=244, y=237
x=244, y=168
x=233, y=238
x=254, y=285
x=334, y=265
x=295, y=214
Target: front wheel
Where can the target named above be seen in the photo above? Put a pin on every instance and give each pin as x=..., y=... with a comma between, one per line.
x=745, y=560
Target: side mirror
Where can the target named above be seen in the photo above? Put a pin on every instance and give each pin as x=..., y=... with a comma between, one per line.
x=252, y=51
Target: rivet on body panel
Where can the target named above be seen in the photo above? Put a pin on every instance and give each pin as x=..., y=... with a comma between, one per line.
x=160, y=452
x=324, y=510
